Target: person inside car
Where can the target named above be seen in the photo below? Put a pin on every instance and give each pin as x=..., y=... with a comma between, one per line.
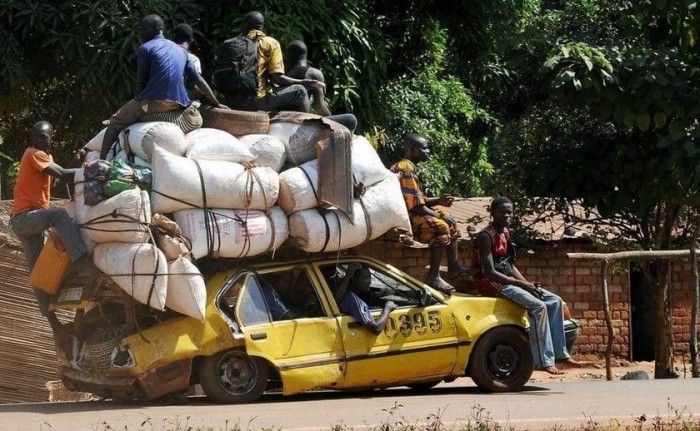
x=494, y=259
x=357, y=279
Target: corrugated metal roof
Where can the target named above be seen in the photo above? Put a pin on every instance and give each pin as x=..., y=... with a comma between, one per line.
x=472, y=215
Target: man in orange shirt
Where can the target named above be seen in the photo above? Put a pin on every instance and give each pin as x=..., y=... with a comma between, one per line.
x=30, y=215
x=276, y=91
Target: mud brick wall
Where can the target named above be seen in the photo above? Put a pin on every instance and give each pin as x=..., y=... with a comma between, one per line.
x=578, y=282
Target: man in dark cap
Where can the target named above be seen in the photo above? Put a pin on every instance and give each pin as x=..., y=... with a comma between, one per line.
x=160, y=74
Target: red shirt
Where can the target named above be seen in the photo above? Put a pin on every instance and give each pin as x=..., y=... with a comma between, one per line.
x=33, y=186
x=499, y=248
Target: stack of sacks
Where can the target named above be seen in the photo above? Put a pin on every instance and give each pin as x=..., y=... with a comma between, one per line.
x=222, y=201
x=120, y=228
x=380, y=209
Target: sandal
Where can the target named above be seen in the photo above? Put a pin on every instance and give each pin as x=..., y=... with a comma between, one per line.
x=441, y=285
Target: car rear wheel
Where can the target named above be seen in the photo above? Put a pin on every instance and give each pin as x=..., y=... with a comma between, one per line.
x=501, y=360
x=233, y=377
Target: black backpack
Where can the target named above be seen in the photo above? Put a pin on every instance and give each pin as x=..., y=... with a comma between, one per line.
x=236, y=66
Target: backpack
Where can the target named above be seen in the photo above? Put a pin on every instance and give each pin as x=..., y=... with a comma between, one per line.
x=236, y=66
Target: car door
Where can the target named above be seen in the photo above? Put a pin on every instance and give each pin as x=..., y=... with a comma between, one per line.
x=306, y=348
x=419, y=342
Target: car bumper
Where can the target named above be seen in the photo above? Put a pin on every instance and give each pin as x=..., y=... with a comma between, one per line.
x=150, y=385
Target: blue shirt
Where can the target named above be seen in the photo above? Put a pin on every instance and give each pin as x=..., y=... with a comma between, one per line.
x=162, y=66
x=354, y=305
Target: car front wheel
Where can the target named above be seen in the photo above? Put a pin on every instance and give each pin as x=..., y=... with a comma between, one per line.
x=501, y=360
x=233, y=377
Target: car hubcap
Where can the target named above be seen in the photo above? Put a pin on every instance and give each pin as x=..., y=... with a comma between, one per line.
x=503, y=360
x=237, y=373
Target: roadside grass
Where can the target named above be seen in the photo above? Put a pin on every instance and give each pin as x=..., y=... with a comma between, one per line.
x=479, y=419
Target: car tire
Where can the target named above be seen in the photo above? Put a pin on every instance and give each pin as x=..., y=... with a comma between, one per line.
x=236, y=122
x=233, y=377
x=501, y=360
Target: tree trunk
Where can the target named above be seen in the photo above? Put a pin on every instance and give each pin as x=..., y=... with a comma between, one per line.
x=663, y=368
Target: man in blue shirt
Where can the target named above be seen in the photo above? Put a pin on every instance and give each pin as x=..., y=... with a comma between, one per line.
x=357, y=280
x=160, y=75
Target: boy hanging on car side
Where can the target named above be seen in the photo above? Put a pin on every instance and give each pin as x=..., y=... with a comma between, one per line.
x=357, y=279
x=497, y=275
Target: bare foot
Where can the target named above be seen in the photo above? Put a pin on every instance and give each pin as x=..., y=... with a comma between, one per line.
x=570, y=363
x=441, y=285
x=553, y=370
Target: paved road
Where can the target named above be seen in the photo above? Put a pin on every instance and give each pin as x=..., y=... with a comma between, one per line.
x=540, y=405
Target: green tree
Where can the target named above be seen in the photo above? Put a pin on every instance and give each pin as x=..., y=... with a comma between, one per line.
x=436, y=105
x=611, y=120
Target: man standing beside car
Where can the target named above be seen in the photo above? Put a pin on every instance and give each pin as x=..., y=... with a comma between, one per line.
x=494, y=259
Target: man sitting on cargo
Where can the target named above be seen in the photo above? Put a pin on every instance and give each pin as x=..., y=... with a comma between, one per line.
x=275, y=90
x=31, y=216
x=494, y=258
x=430, y=225
x=160, y=75
x=356, y=281
x=299, y=68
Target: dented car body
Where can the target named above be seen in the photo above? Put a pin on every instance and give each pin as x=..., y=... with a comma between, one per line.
x=276, y=326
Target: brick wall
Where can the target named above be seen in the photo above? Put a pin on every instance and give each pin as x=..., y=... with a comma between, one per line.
x=578, y=282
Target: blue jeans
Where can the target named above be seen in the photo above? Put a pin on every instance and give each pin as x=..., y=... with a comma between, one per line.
x=546, y=316
x=30, y=226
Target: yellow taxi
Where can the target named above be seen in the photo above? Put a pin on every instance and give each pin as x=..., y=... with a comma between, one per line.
x=276, y=326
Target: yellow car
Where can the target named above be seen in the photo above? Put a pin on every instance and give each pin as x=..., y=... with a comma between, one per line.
x=277, y=326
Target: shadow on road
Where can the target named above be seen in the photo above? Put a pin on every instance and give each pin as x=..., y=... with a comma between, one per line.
x=268, y=398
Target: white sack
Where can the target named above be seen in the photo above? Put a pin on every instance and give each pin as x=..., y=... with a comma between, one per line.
x=136, y=268
x=367, y=167
x=121, y=218
x=297, y=193
x=309, y=231
x=141, y=137
x=95, y=144
x=228, y=236
x=214, y=144
x=91, y=157
x=385, y=210
x=80, y=214
x=227, y=184
x=299, y=139
x=187, y=293
x=267, y=150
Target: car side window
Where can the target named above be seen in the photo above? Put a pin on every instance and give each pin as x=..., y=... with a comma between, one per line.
x=382, y=288
x=253, y=309
x=296, y=296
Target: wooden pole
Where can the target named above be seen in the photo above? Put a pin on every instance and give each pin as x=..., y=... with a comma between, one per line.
x=632, y=255
x=608, y=323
